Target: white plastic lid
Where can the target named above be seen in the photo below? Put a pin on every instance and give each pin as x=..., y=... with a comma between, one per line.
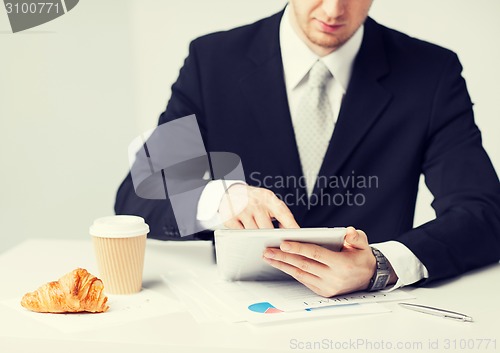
x=119, y=227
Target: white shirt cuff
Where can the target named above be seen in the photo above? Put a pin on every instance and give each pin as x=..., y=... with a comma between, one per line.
x=406, y=265
x=209, y=202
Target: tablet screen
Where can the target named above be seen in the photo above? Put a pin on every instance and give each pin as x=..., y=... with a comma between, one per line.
x=239, y=251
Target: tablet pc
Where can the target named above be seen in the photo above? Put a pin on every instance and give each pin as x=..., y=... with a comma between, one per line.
x=239, y=251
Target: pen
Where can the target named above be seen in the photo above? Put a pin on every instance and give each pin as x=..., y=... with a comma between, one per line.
x=438, y=312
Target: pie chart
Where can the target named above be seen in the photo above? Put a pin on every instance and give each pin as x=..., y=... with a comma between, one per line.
x=264, y=308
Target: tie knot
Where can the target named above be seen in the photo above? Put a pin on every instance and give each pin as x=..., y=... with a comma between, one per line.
x=319, y=75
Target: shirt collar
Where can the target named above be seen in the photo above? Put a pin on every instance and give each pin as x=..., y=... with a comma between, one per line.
x=298, y=58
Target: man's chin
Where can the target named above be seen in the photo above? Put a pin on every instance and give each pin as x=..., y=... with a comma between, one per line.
x=326, y=42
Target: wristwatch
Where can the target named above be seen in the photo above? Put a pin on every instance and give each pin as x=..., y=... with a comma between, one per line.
x=382, y=273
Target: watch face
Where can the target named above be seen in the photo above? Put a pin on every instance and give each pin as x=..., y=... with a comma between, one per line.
x=381, y=281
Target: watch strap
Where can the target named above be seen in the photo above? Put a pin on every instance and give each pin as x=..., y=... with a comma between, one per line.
x=382, y=273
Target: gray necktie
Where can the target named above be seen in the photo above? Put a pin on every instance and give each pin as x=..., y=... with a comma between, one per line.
x=314, y=123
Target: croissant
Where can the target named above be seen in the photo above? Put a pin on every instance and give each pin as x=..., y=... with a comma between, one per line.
x=77, y=291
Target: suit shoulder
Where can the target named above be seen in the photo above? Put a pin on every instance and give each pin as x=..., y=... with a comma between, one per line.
x=412, y=49
x=235, y=39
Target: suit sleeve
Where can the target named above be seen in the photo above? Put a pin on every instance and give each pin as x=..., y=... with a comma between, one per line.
x=466, y=232
x=159, y=214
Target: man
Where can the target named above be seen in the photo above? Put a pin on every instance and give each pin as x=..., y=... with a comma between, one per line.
x=323, y=104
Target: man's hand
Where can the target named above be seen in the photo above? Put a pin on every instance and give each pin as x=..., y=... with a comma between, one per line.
x=247, y=207
x=326, y=272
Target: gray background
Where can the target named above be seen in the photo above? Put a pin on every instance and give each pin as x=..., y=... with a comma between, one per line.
x=74, y=93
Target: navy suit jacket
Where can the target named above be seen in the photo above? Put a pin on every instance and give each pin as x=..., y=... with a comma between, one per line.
x=406, y=112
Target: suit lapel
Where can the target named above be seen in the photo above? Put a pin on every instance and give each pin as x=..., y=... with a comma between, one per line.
x=265, y=92
x=364, y=102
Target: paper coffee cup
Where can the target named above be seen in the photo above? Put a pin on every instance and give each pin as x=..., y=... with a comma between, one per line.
x=120, y=244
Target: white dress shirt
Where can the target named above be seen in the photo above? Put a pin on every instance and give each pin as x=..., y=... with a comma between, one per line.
x=297, y=61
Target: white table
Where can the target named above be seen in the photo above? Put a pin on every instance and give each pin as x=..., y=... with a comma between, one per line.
x=37, y=261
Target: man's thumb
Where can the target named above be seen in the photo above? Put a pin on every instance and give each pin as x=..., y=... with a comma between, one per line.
x=354, y=240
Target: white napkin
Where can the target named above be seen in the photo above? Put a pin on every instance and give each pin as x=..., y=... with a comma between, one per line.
x=122, y=309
